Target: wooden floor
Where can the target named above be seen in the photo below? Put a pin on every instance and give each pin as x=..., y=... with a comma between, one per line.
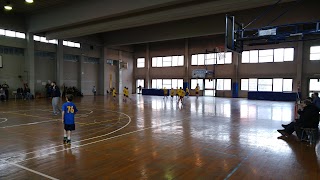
x=149, y=138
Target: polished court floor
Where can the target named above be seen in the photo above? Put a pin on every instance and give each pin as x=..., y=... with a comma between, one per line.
x=152, y=138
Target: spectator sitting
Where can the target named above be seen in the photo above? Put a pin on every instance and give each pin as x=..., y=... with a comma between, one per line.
x=309, y=118
x=2, y=95
x=20, y=93
x=27, y=93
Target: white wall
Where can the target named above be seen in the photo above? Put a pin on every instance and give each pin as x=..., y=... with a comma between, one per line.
x=13, y=66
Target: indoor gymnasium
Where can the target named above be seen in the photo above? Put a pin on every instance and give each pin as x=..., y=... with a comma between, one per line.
x=159, y=89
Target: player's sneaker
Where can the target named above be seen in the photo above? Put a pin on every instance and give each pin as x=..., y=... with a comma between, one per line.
x=65, y=139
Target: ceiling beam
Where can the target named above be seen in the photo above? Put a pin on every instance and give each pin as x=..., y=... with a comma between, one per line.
x=88, y=11
x=165, y=15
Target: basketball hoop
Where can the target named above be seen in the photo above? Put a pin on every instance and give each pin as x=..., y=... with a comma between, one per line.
x=220, y=52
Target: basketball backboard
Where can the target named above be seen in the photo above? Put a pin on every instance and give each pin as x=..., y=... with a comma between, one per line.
x=234, y=31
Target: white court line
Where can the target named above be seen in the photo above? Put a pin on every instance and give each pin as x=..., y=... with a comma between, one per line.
x=27, y=124
x=38, y=122
x=80, y=140
x=16, y=111
x=5, y=119
x=94, y=142
x=33, y=171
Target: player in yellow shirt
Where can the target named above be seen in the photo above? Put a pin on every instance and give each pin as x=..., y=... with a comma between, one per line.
x=197, y=90
x=127, y=93
x=177, y=93
x=172, y=92
x=181, y=93
x=124, y=94
x=165, y=93
x=187, y=92
x=114, y=94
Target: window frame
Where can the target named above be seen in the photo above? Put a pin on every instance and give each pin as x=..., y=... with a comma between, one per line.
x=254, y=55
x=144, y=60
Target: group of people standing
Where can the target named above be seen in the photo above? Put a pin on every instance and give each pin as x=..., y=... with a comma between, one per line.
x=180, y=93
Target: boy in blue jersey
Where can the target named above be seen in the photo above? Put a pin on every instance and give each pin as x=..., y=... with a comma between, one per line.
x=68, y=112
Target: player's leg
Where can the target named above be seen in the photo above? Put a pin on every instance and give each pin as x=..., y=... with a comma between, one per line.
x=69, y=137
x=53, y=106
x=65, y=138
x=58, y=108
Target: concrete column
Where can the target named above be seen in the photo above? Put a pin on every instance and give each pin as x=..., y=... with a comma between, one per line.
x=236, y=58
x=119, y=74
x=186, y=61
x=299, y=77
x=59, y=64
x=29, y=72
x=101, y=83
x=147, y=83
x=81, y=72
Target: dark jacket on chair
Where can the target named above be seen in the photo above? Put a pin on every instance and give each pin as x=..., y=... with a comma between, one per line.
x=309, y=117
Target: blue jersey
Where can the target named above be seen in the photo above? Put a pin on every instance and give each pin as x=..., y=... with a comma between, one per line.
x=70, y=110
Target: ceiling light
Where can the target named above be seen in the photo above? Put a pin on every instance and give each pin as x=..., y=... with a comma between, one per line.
x=29, y=1
x=8, y=6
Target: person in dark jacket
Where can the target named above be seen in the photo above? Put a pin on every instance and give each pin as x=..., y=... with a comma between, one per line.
x=309, y=118
x=5, y=87
x=316, y=100
x=55, y=94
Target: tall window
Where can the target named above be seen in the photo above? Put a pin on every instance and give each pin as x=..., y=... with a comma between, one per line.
x=314, y=85
x=140, y=82
x=194, y=83
x=315, y=53
x=140, y=62
x=224, y=84
x=275, y=84
x=167, y=83
x=211, y=58
x=249, y=84
x=268, y=55
x=264, y=84
x=168, y=61
x=209, y=84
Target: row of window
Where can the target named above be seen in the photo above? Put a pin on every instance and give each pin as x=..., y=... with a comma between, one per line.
x=44, y=39
x=91, y=60
x=197, y=59
x=54, y=41
x=11, y=51
x=252, y=56
x=268, y=55
x=252, y=84
x=10, y=33
x=222, y=84
x=167, y=61
x=275, y=85
x=211, y=58
x=167, y=83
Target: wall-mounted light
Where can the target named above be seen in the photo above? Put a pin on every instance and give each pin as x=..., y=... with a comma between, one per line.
x=8, y=6
x=29, y=1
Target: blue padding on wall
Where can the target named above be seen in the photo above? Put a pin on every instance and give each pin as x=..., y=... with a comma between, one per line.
x=235, y=90
x=154, y=92
x=272, y=96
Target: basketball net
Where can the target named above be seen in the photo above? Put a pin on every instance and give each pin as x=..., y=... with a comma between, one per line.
x=220, y=53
